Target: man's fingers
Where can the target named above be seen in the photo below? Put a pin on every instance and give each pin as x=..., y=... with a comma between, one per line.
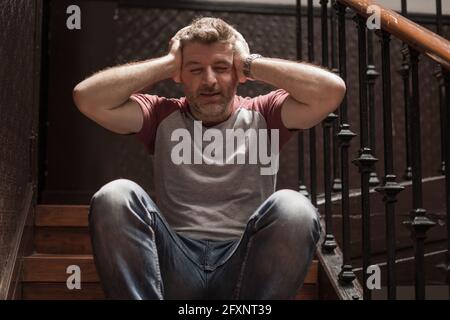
x=174, y=42
x=174, y=45
x=178, y=34
x=240, y=38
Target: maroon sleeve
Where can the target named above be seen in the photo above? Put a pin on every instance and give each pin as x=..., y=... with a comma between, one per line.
x=269, y=105
x=154, y=110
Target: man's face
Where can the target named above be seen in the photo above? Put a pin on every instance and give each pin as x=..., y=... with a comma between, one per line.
x=209, y=79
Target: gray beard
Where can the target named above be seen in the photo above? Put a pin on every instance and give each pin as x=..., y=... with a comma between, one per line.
x=203, y=111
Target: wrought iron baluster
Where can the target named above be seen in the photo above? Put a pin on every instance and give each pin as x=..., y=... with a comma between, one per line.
x=390, y=187
x=324, y=31
x=404, y=72
x=443, y=77
x=419, y=223
x=329, y=243
x=345, y=135
x=372, y=76
x=366, y=160
x=301, y=150
x=439, y=77
x=337, y=183
x=312, y=131
x=444, y=96
x=446, y=76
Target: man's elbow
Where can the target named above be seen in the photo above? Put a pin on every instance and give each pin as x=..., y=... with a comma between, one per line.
x=337, y=92
x=78, y=97
x=342, y=88
x=332, y=99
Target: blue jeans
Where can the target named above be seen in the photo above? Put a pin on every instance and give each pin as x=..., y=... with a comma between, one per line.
x=139, y=256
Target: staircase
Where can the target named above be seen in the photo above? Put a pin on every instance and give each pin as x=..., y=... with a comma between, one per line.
x=61, y=239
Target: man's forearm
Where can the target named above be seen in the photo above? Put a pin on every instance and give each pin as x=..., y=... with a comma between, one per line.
x=306, y=83
x=112, y=87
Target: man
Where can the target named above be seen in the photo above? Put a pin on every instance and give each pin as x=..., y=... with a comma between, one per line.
x=219, y=230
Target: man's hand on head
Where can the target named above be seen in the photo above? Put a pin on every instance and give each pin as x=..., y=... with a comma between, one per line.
x=241, y=52
x=175, y=53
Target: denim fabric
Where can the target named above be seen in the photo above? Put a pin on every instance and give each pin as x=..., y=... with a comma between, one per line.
x=139, y=256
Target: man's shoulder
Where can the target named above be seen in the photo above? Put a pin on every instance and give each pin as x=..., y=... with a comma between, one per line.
x=156, y=109
x=262, y=101
x=157, y=102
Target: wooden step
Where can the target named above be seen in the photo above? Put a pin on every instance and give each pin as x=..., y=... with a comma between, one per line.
x=308, y=292
x=52, y=268
x=62, y=240
x=94, y=291
x=49, y=215
x=62, y=229
x=44, y=276
x=59, y=291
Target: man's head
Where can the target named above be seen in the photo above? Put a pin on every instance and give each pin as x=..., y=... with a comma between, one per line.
x=208, y=74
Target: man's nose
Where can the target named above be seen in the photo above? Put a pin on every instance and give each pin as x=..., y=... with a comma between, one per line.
x=209, y=77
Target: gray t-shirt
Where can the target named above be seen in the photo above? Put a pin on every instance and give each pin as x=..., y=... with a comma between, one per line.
x=211, y=192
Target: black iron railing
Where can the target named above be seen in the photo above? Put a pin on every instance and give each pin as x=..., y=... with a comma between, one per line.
x=338, y=134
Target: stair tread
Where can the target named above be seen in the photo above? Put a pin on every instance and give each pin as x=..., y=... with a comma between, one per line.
x=59, y=291
x=40, y=267
x=90, y=291
x=62, y=240
x=38, y=255
x=48, y=215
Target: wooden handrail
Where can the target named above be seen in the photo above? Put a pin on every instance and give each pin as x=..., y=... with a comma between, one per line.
x=416, y=36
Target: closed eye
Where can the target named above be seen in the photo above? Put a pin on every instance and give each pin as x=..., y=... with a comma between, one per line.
x=221, y=69
x=217, y=69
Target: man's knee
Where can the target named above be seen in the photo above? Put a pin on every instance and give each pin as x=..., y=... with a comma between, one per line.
x=293, y=210
x=109, y=202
